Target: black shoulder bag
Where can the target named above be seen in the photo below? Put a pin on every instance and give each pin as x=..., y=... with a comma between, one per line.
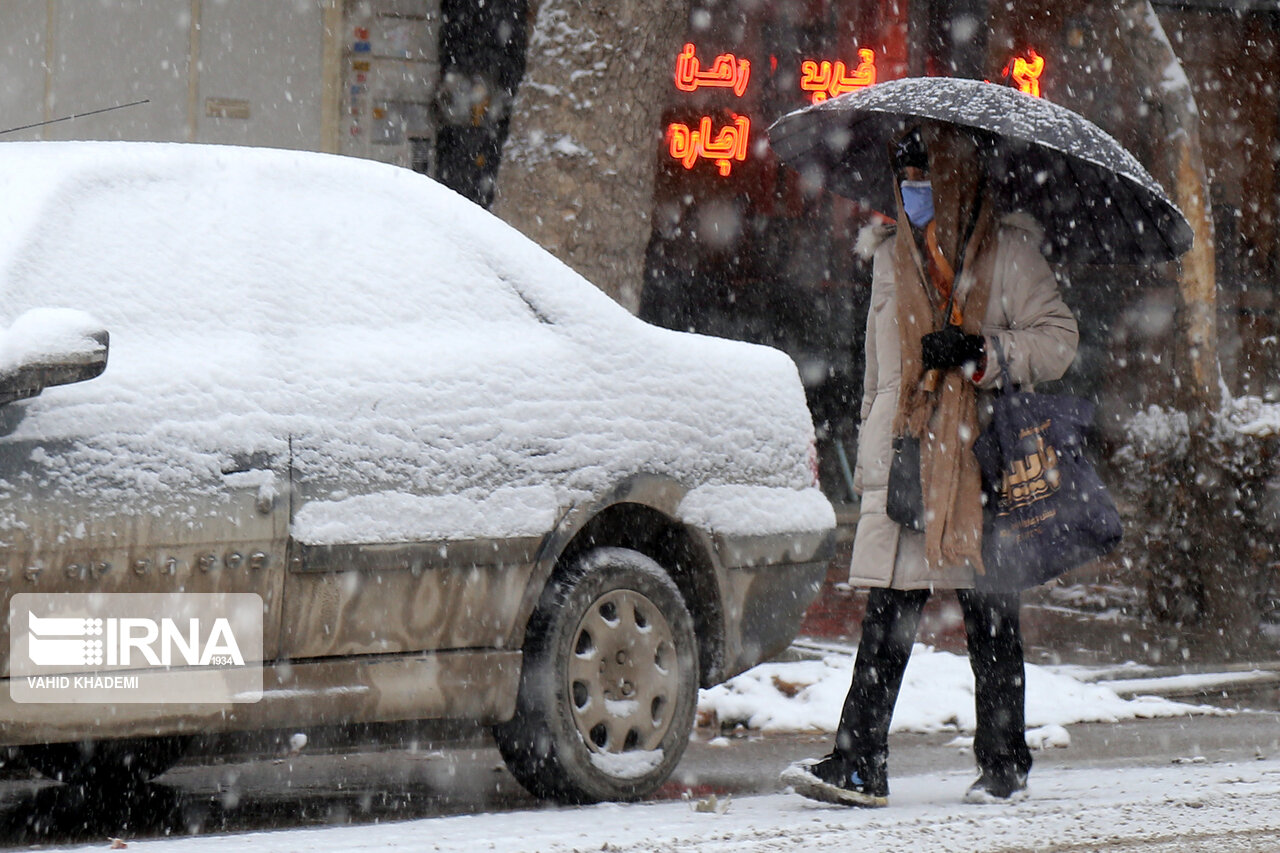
x=905, y=500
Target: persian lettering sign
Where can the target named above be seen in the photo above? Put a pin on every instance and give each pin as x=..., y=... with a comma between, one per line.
x=824, y=79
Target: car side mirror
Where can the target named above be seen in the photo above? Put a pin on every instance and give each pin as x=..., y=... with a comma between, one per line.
x=49, y=346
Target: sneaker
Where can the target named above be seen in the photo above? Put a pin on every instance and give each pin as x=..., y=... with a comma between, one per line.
x=1005, y=787
x=831, y=780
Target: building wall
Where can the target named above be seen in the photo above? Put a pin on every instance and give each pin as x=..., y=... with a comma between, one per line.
x=390, y=79
x=357, y=76
x=140, y=51
x=1229, y=53
x=22, y=58
x=211, y=70
x=264, y=60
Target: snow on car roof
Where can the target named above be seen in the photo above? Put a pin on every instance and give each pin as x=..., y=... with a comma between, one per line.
x=389, y=337
x=118, y=219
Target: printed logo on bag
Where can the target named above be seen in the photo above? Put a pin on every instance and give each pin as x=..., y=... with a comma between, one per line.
x=1033, y=477
x=190, y=648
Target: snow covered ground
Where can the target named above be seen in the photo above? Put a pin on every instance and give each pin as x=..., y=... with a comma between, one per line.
x=1180, y=806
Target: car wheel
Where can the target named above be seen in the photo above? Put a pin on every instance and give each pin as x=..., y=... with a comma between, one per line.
x=609, y=684
x=107, y=763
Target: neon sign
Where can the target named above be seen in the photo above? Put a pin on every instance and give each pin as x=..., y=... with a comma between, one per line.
x=828, y=79
x=1026, y=72
x=727, y=72
x=688, y=144
x=820, y=79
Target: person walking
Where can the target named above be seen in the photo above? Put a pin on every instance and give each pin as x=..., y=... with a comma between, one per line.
x=949, y=281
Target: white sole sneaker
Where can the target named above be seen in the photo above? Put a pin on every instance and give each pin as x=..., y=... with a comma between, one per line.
x=802, y=780
x=983, y=797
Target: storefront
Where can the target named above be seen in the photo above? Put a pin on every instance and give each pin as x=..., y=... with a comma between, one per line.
x=741, y=247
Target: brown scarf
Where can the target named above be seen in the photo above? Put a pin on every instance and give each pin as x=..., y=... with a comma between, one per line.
x=945, y=419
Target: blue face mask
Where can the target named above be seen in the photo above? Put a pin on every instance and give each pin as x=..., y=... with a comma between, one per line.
x=917, y=200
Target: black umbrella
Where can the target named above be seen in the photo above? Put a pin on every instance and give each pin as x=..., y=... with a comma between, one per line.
x=1093, y=197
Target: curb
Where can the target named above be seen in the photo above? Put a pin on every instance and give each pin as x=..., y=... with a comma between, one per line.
x=1202, y=681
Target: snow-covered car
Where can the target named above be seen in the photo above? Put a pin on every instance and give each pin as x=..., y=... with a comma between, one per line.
x=465, y=484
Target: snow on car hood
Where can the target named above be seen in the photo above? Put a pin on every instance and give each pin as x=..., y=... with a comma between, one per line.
x=369, y=333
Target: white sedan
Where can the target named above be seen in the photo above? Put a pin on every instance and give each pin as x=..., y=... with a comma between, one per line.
x=463, y=482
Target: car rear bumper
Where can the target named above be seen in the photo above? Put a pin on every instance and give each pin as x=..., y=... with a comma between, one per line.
x=770, y=583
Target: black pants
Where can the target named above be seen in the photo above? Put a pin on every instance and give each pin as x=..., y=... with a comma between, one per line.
x=995, y=653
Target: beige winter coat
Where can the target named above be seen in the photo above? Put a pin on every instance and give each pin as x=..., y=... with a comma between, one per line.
x=1038, y=334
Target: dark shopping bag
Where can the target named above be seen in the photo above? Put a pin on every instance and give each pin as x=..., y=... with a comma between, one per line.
x=905, y=501
x=1047, y=510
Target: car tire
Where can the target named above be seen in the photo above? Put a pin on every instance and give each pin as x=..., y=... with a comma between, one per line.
x=113, y=764
x=609, y=685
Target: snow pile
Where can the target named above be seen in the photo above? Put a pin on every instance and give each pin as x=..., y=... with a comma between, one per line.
x=627, y=765
x=1252, y=417
x=409, y=363
x=1164, y=433
x=936, y=696
x=746, y=510
x=1156, y=432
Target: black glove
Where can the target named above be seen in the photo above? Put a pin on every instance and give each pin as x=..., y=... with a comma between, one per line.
x=952, y=348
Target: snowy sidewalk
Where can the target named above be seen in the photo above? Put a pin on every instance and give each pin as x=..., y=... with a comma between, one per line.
x=1187, y=806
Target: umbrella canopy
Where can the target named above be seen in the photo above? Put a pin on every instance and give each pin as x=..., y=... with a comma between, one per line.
x=1093, y=197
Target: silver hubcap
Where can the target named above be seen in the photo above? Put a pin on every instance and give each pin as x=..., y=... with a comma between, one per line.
x=623, y=676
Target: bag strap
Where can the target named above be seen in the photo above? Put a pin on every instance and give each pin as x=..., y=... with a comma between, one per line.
x=1007, y=385
x=1076, y=409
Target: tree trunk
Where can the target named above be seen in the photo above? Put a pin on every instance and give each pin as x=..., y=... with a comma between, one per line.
x=1180, y=168
x=1213, y=559
x=578, y=167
